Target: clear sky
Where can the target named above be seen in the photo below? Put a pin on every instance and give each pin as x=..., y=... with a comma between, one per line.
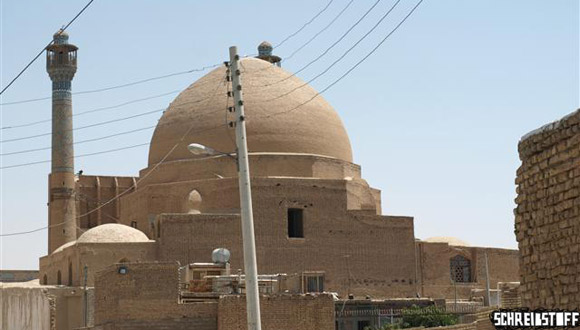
x=434, y=116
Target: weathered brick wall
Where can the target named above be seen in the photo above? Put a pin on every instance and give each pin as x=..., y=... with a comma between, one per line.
x=284, y=312
x=434, y=268
x=509, y=294
x=483, y=321
x=361, y=253
x=92, y=191
x=96, y=256
x=547, y=216
x=148, y=292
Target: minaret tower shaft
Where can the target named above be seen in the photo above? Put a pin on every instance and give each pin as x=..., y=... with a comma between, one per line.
x=61, y=64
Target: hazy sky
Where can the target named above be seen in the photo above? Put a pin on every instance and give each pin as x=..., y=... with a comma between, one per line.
x=434, y=116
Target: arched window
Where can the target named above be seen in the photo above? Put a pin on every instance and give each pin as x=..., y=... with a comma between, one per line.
x=70, y=274
x=460, y=268
x=45, y=280
x=58, y=278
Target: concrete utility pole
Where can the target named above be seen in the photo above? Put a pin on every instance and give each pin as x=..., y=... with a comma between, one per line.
x=487, y=289
x=61, y=64
x=86, y=301
x=250, y=264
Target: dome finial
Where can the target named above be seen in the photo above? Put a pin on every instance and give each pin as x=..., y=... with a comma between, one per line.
x=60, y=37
x=265, y=49
x=265, y=53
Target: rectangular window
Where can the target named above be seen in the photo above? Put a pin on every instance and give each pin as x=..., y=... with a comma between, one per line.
x=295, y=223
x=313, y=281
x=134, y=224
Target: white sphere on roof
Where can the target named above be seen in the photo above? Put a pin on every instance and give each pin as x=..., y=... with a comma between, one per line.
x=220, y=255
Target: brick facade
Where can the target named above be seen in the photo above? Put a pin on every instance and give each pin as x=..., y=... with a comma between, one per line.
x=285, y=312
x=148, y=292
x=547, y=217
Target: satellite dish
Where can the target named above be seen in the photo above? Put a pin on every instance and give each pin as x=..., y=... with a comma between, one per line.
x=220, y=256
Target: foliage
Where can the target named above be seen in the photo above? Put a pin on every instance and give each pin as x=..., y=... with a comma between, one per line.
x=415, y=316
x=427, y=317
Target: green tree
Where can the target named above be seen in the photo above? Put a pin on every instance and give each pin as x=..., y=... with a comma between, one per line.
x=427, y=317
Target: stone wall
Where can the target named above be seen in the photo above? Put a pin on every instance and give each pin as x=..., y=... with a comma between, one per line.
x=284, y=312
x=547, y=216
x=24, y=308
x=31, y=306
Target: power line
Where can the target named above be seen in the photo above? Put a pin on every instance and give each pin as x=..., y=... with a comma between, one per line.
x=305, y=24
x=93, y=110
x=87, y=126
x=162, y=159
x=374, y=49
x=135, y=184
x=78, y=156
x=42, y=51
x=187, y=132
x=157, y=77
x=319, y=32
x=163, y=76
x=119, y=86
x=80, y=142
x=342, y=56
x=103, y=123
x=325, y=51
x=353, y=67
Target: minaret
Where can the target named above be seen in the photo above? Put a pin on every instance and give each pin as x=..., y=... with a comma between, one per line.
x=61, y=64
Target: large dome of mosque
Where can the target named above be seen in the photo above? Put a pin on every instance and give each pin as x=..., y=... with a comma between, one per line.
x=283, y=115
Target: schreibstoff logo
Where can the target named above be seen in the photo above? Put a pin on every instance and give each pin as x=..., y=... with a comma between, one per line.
x=540, y=319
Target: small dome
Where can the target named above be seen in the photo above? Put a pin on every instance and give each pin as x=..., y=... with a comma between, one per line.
x=113, y=233
x=265, y=48
x=60, y=37
x=449, y=240
x=64, y=246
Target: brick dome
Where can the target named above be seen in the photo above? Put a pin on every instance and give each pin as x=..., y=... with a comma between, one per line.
x=273, y=125
x=112, y=233
x=446, y=239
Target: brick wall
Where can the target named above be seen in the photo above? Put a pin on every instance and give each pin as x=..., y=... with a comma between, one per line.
x=547, y=216
x=92, y=191
x=361, y=253
x=285, y=312
x=147, y=293
x=509, y=295
x=434, y=268
x=96, y=256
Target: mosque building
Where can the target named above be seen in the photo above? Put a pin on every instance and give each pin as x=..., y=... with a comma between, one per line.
x=317, y=220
